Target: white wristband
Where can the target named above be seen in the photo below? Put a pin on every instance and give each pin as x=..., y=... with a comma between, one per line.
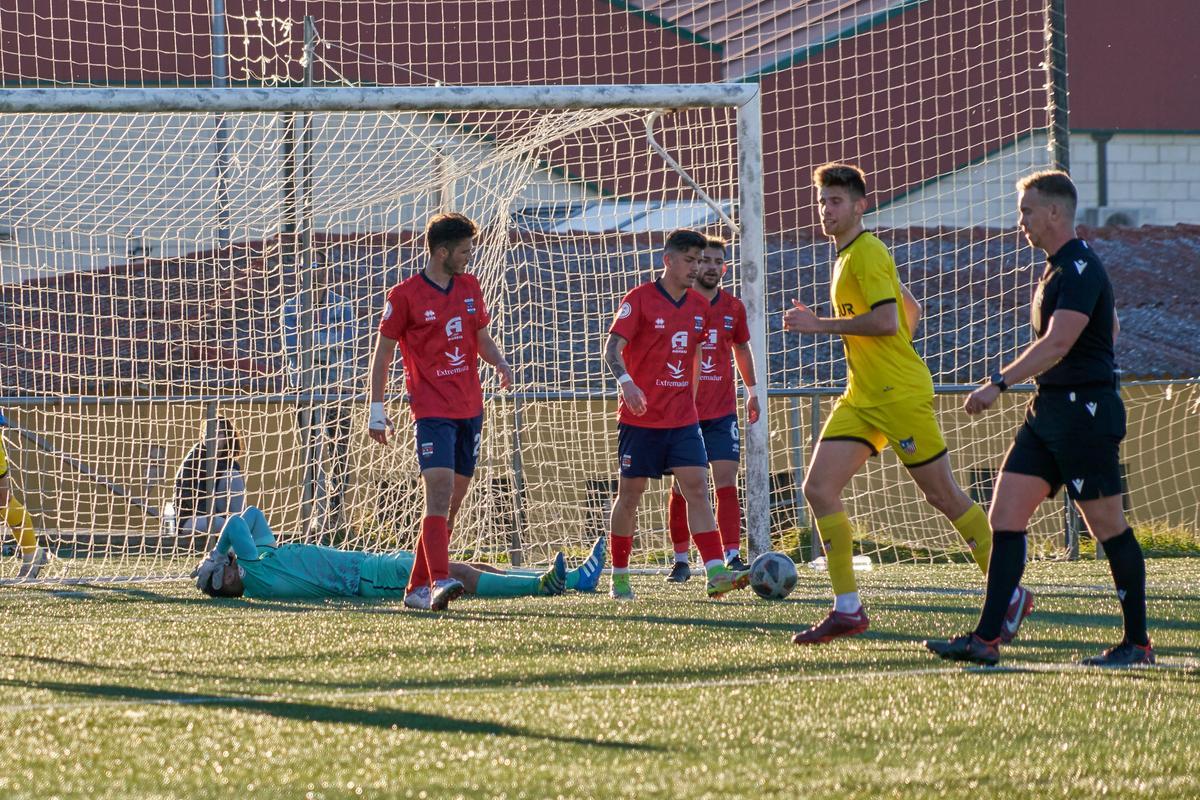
x=626, y=378
x=378, y=420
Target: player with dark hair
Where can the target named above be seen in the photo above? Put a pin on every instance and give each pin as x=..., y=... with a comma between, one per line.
x=653, y=350
x=439, y=319
x=208, y=489
x=1072, y=430
x=247, y=561
x=726, y=340
x=888, y=401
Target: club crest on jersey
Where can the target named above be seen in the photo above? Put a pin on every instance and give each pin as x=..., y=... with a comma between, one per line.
x=659, y=324
x=908, y=445
x=679, y=342
x=470, y=301
x=728, y=323
x=454, y=328
x=387, y=309
x=429, y=315
x=624, y=311
x=699, y=322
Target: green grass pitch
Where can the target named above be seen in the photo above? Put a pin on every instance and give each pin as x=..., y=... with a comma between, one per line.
x=155, y=691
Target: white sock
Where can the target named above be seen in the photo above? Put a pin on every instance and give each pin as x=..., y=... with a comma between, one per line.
x=732, y=553
x=847, y=603
x=716, y=562
x=681, y=558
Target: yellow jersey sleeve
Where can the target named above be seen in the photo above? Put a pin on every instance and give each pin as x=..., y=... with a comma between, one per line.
x=872, y=267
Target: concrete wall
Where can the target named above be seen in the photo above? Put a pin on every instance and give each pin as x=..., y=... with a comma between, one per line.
x=1156, y=175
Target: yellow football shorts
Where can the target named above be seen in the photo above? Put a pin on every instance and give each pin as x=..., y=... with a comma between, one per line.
x=908, y=426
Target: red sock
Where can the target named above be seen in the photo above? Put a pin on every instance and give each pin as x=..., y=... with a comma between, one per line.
x=436, y=541
x=729, y=517
x=709, y=545
x=420, y=568
x=621, y=547
x=677, y=522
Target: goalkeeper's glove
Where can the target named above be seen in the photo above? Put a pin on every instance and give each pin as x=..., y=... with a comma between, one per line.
x=211, y=572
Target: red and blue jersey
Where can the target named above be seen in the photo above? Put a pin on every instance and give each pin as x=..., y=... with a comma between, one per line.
x=437, y=330
x=661, y=336
x=717, y=395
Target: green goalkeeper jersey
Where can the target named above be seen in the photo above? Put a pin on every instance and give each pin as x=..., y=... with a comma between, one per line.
x=292, y=570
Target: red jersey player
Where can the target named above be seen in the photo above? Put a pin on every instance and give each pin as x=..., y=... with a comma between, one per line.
x=726, y=340
x=653, y=349
x=439, y=319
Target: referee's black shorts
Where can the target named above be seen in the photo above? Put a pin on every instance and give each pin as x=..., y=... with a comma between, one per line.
x=1072, y=436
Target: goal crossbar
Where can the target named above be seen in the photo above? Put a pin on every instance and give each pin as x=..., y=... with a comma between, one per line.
x=407, y=98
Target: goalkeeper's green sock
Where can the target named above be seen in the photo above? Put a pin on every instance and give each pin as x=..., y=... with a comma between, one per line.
x=491, y=584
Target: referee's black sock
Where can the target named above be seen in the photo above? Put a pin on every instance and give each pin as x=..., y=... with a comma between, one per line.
x=1128, y=567
x=1004, y=575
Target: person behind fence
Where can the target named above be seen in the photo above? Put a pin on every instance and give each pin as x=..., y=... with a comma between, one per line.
x=33, y=556
x=249, y=562
x=326, y=364
x=207, y=490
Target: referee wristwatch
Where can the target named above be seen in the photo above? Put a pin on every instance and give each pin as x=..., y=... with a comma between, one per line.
x=998, y=381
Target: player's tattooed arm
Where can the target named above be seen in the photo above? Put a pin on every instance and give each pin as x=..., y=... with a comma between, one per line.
x=634, y=399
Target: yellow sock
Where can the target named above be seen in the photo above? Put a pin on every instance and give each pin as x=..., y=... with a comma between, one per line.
x=975, y=529
x=21, y=524
x=839, y=551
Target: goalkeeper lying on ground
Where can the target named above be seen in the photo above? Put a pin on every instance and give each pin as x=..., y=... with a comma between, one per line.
x=247, y=561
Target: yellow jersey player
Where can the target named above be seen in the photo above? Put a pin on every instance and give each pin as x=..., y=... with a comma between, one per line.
x=33, y=557
x=888, y=401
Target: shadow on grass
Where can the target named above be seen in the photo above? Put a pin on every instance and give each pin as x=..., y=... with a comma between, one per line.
x=386, y=719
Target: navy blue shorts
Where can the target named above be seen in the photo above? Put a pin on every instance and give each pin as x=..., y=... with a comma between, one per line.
x=1072, y=437
x=653, y=452
x=721, y=438
x=449, y=444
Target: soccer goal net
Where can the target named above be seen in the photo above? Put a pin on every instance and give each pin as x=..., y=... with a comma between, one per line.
x=202, y=265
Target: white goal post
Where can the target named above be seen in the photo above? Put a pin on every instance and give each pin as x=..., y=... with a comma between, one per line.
x=77, y=416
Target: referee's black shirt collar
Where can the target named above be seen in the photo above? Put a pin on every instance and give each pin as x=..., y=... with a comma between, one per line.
x=1072, y=250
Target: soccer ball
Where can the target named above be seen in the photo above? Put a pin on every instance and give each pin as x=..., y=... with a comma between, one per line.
x=772, y=576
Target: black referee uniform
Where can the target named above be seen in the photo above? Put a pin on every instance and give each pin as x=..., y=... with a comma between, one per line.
x=1075, y=422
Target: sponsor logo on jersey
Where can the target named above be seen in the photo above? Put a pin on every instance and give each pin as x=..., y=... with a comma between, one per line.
x=698, y=321
x=679, y=342
x=728, y=323
x=624, y=311
x=676, y=370
x=708, y=366
x=1080, y=265
x=709, y=342
x=1091, y=407
x=470, y=301
x=1078, y=484
x=454, y=328
x=457, y=358
x=659, y=324
x=908, y=445
x=429, y=315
